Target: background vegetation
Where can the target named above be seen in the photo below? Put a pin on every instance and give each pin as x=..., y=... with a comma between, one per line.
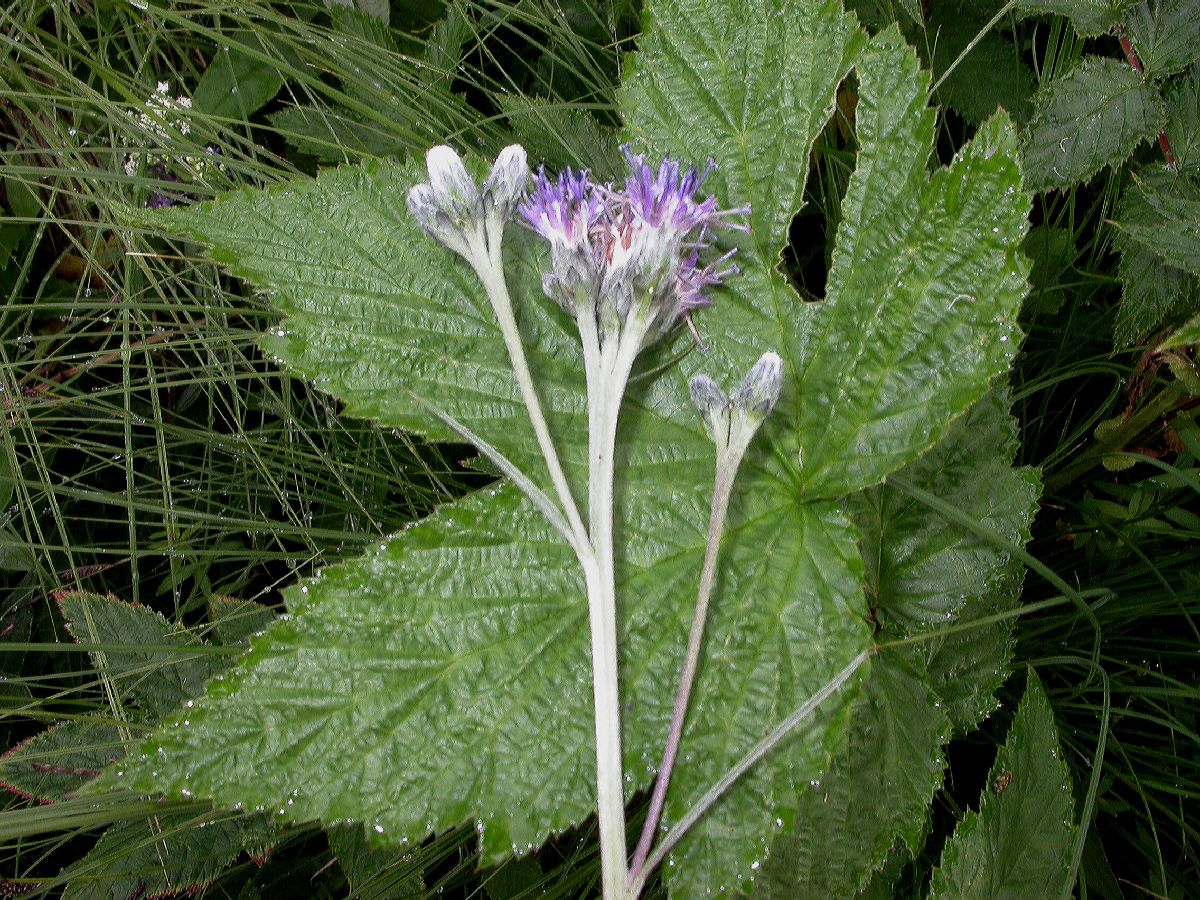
x=152, y=453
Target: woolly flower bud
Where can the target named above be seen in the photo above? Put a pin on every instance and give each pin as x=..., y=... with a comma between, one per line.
x=505, y=186
x=712, y=404
x=452, y=210
x=449, y=179
x=732, y=421
x=759, y=390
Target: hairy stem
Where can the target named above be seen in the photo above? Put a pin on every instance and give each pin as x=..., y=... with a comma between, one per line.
x=722, y=488
x=490, y=269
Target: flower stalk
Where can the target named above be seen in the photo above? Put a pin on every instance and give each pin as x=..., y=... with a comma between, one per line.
x=731, y=424
x=625, y=264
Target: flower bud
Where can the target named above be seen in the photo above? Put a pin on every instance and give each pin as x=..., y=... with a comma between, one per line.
x=713, y=405
x=426, y=207
x=505, y=186
x=449, y=179
x=759, y=391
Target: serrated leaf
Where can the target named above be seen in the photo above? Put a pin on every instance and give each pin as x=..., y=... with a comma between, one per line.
x=471, y=669
x=922, y=569
x=559, y=135
x=170, y=854
x=1161, y=211
x=1094, y=116
x=233, y=621
x=1166, y=35
x=1052, y=251
x=1152, y=292
x=373, y=871
x=990, y=75
x=1018, y=844
x=844, y=832
x=925, y=571
x=1090, y=17
x=158, y=673
x=1183, y=121
x=60, y=760
x=756, y=111
x=900, y=295
x=410, y=689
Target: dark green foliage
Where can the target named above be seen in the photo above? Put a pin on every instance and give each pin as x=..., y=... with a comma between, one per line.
x=1092, y=117
x=151, y=451
x=1090, y=17
x=1166, y=35
x=1018, y=843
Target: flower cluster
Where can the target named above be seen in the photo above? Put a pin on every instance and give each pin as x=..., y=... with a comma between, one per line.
x=164, y=121
x=631, y=254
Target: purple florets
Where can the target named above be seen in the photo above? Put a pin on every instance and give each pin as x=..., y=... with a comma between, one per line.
x=632, y=250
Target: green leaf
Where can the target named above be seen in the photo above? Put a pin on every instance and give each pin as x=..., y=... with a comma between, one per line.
x=925, y=571
x=1160, y=211
x=233, y=621
x=559, y=135
x=241, y=77
x=1166, y=35
x=991, y=75
x=462, y=632
x=843, y=831
x=331, y=136
x=1152, y=293
x=915, y=325
x=1053, y=252
x=59, y=760
x=1185, y=335
x=922, y=569
x=170, y=854
x=1183, y=121
x=158, y=673
x=1019, y=843
x=373, y=871
x=1090, y=17
x=1092, y=117
x=756, y=111
x=444, y=678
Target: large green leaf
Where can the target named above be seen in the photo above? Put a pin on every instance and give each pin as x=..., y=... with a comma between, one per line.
x=1166, y=34
x=445, y=676
x=917, y=326
x=1092, y=117
x=1018, y=844
x=924, y=572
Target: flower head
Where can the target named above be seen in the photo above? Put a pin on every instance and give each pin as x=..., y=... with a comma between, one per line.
x=634, y=251
x=565, y=212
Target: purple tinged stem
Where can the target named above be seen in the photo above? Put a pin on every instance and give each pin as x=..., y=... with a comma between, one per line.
x=723, y=487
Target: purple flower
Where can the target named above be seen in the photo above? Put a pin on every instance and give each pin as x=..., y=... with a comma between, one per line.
x=638, y=248
x=566, y=212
